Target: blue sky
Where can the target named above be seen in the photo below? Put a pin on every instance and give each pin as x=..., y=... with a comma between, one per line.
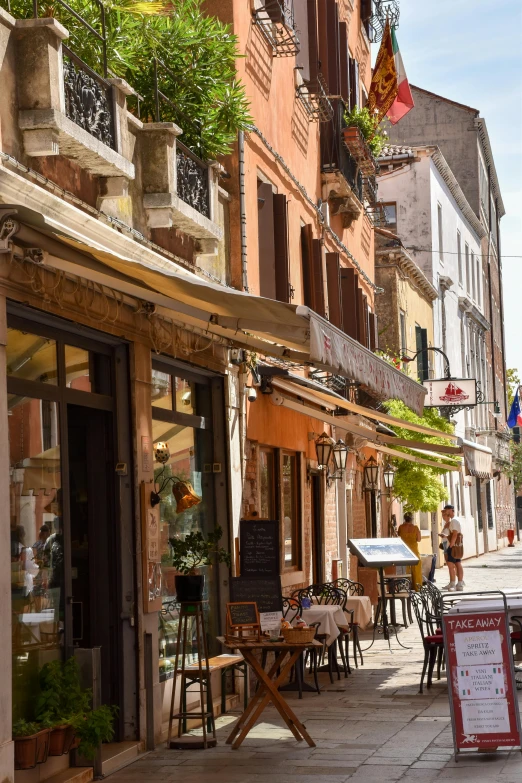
x=471, y=51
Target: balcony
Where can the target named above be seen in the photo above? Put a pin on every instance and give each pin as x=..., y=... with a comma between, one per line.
x=275, y=20
x=313, y=97
x=66, y=108
x=340, y=172
x=356, y=145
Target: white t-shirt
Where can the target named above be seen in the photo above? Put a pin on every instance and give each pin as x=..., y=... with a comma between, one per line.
x=454, y=525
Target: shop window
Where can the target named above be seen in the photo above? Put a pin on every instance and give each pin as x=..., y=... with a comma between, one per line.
x=290, y=487
x=37, y=555
x=87, y=371
x=267, y=484
x=31, y=357
x=181, y=406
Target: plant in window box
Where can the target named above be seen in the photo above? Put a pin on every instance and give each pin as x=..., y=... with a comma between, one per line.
x=31, y=742
x=363, y=138
x=188, y=555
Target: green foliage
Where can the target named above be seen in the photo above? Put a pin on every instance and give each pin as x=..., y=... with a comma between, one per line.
x=204, y=96
x=194, y=551
x=61, y=694
x=375, y=136
x=514, y=471
x=24, y=728
x=95, y=727
x=513, y=382
x=417, y=486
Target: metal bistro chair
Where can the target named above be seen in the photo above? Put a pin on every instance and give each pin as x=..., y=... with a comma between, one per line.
x=351, y=588
x=397, y=588
x=324, y=594
x=516, y=639
x=435, y=610
x=431, y=641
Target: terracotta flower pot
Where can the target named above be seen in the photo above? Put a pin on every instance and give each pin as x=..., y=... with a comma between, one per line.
x=510, y=537
x=31, y=750
x=61, y=741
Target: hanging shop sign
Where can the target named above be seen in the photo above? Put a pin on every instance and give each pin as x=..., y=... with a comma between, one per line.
x=450, y=392
x=481, y=681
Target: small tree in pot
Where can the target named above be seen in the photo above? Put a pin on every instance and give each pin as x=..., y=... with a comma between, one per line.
x=188, y=555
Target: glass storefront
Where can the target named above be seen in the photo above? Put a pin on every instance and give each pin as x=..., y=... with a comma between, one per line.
x=182, y=423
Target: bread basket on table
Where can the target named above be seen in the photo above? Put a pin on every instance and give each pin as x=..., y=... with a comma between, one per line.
x=298, y=635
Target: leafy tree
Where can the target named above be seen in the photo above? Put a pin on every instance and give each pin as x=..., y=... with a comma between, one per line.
x=514, y=471
x=513, y=382
x=199, y=53
x=418, y=487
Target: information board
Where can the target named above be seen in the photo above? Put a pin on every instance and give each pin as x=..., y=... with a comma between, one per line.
x=382, y=552
x=243, y=614
x=259, y=547
x=266, y=593
x=481, y=681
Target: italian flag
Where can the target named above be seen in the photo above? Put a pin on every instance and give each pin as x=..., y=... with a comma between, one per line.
x=404, y=100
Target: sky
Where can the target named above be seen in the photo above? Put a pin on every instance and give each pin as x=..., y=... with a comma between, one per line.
x=471, y=51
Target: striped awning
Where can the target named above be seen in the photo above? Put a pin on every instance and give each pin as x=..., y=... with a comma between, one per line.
x=477, y=459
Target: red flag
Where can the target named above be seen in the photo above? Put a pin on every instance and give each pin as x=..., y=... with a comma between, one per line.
x=384, y=86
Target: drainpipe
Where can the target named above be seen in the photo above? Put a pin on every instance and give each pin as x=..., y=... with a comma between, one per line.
x=492, y=336
x=242, y=208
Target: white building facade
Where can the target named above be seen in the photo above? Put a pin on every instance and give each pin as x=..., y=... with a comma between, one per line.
x=443, y=235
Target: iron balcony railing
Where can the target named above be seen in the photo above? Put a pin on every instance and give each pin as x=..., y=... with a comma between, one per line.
x=275, y=20
x=334, y=155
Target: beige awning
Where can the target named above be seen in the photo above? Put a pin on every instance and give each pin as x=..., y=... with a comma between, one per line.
x=79, y=243
x=478, y=459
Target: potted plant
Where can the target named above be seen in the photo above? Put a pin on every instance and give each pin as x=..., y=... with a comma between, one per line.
x=363, y=138
x=65, y=706
x=190, y=553
x=31, y=742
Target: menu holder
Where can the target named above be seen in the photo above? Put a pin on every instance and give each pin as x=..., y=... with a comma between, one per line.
x=242, y=623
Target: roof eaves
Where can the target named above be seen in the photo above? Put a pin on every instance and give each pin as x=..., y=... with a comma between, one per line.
x=480, y=123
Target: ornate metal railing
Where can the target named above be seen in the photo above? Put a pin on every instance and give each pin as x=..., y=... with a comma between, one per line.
x=314, y=99
x=334, y=154
x=192, y=180
x=88, y=99
x=275, y=19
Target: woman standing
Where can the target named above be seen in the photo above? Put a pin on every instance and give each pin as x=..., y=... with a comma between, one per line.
x=411, y=535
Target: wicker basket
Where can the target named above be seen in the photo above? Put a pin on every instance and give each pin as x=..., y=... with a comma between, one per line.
x=298, y=635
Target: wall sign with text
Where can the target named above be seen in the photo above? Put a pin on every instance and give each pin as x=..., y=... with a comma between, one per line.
x=481, y=681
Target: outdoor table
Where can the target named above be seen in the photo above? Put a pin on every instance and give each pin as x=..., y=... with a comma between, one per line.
x=268, y=686
x=361, y=606
x=329, y=617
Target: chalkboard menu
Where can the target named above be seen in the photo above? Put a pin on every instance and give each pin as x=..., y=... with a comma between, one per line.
x=259, y=547
x=266, y=593
x=243, y=614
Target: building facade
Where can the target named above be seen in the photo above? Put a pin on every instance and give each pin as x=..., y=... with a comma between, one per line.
x=462, y=137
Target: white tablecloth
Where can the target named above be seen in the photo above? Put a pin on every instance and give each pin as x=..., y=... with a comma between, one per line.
x=362, y=609
x=329, y=617
x=483, y=604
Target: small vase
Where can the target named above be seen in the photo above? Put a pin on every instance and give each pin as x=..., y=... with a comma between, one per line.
x=189, y=587
x=510, y=537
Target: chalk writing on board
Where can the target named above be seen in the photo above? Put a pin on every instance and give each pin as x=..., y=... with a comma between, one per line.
x=243, y=613
x=265, y=592
x=259, y=547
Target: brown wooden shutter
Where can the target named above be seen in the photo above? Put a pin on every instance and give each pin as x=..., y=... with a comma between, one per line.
x=282, y=271
x=361, y=330
x=307, y=265
x=366, y=322
x=343, y=61
x=349, y=285
x=334, y=66
x=353, y=67
x=374, y=336
x=322, y=31
x=333, y=282
x=313, y=40
x=318, y=283
x=366, y=14
x=302, y=58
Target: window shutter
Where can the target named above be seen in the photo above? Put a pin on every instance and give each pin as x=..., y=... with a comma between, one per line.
x=322, y=31
x=366, y=14
x=282, y=272
x=362, y=310
x=332, y=31
x=343, y=62
x=318, y=284
x=349, y=284
x=374, y=334
x=302, y=58
x=313, y=41
x=333, y=281
x=421, y=342
x=307, y=265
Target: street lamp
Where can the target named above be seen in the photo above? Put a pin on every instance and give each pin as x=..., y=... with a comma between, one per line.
x=371, y=474
x=389, y=477
x=340, y=455
x=324, y=446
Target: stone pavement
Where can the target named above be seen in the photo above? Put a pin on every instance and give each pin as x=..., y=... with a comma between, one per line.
x=373, y=726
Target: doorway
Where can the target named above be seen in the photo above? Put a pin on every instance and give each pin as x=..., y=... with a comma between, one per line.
x=317, y=530
x=92, y=540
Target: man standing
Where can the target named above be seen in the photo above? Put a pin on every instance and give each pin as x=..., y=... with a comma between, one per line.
x=452, y=531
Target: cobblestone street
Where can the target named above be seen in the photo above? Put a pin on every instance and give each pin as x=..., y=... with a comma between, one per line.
x=373, y=726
